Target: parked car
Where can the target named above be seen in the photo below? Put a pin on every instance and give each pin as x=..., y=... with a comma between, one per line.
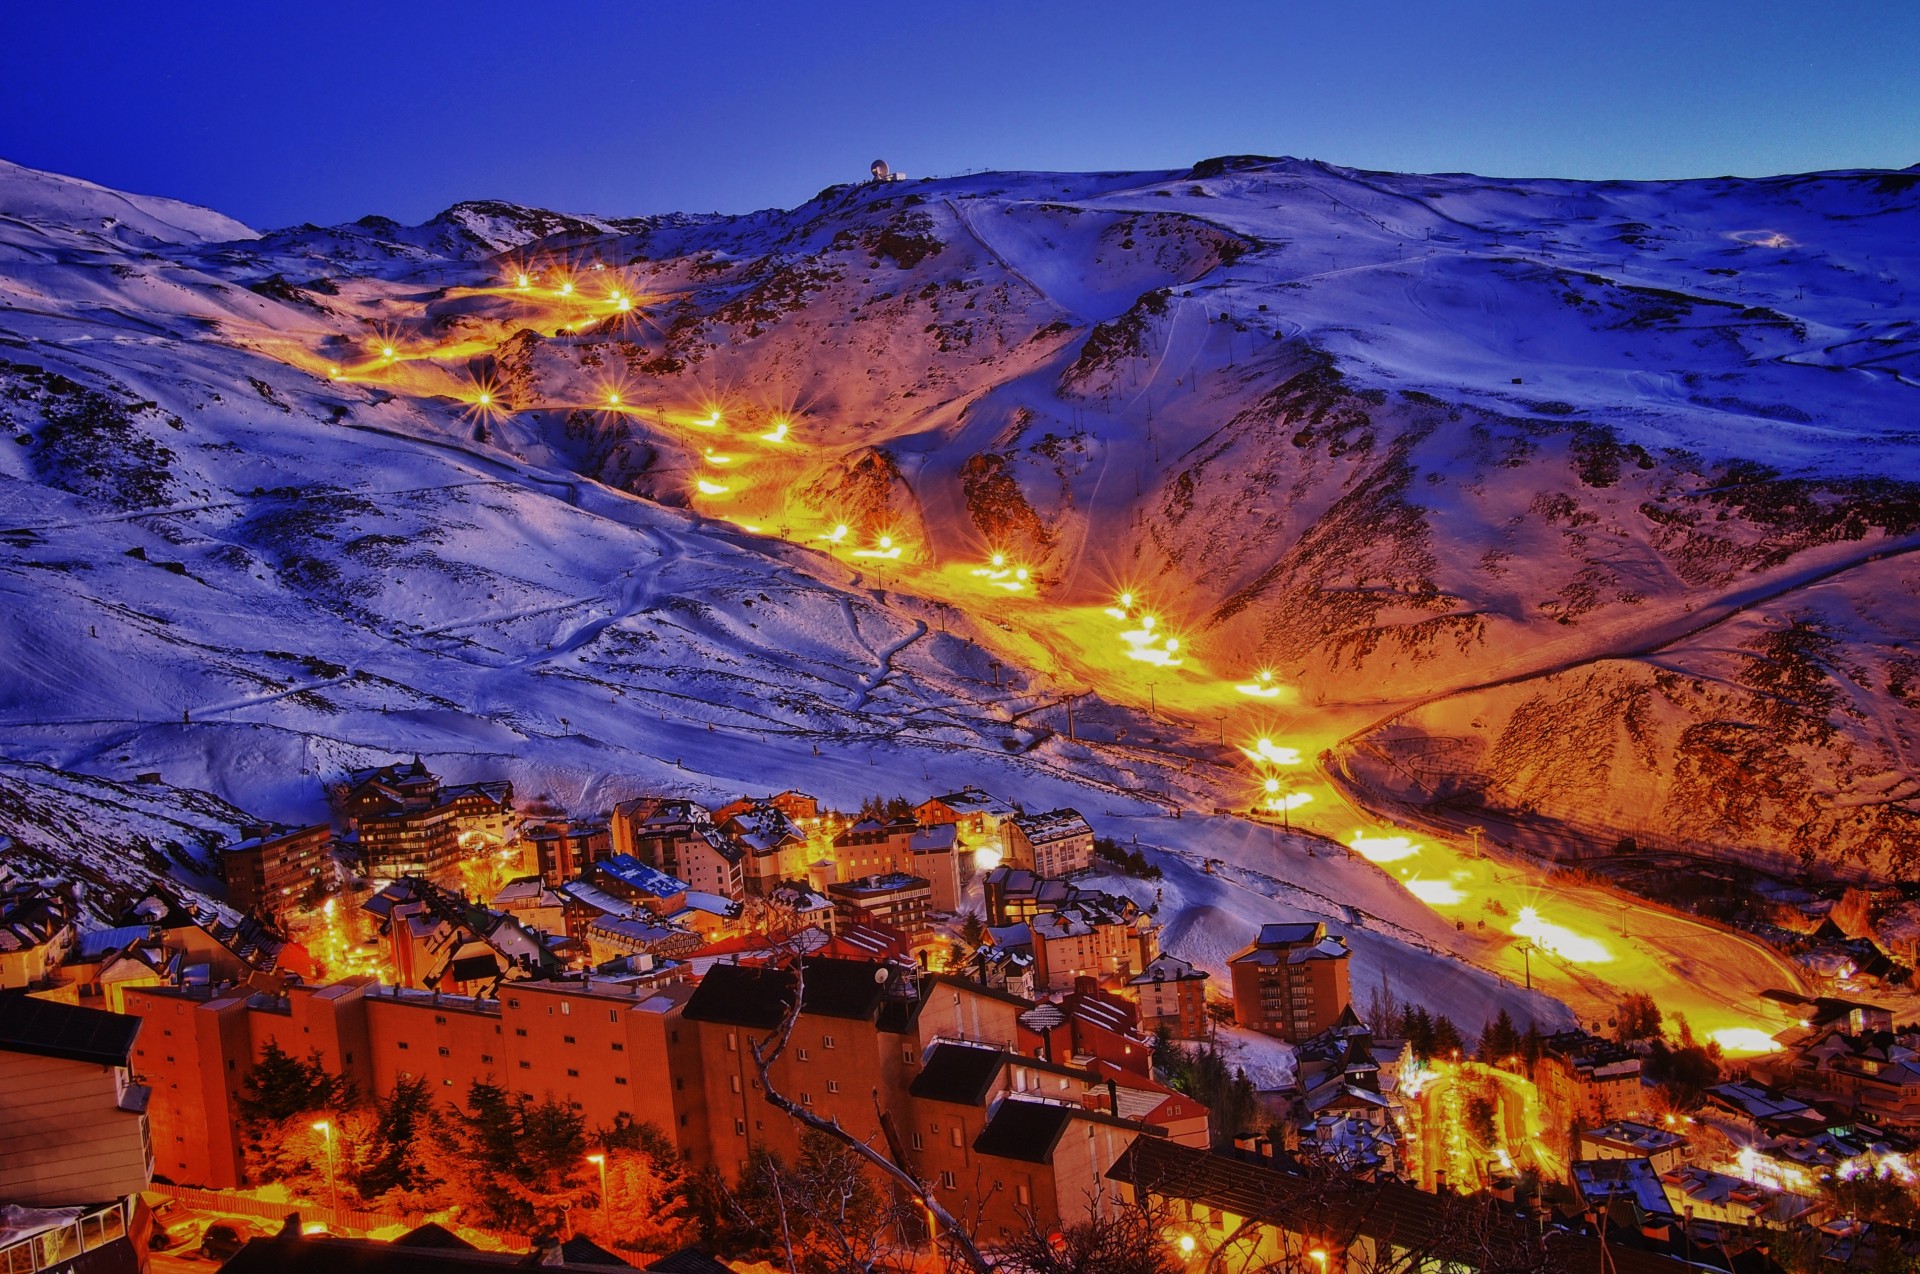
x=225, y=1238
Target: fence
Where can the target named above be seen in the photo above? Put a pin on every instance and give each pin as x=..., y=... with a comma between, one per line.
x=235, y=1203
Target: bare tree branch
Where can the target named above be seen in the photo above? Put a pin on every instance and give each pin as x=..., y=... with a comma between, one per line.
x=768, y=1051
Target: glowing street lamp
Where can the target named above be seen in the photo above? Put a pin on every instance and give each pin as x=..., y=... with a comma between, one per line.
x=325, y=1128
x=600, y=1162
x=1319, y=1256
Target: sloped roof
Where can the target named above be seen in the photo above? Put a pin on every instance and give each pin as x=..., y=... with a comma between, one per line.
x=757, y=997
x=958, y=1073
x=1023, y=1130
x=47, y=1028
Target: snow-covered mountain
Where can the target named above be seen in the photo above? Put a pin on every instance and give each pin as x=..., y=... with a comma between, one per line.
x=1590, y=501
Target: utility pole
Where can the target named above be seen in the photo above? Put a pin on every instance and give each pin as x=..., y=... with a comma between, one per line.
x=1526, y=958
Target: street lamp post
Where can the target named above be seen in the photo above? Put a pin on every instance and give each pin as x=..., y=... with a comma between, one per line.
x=325, y=1128
x=600, y=1162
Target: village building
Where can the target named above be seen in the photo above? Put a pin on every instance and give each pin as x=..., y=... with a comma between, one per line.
x=1246, y=1211
x=1008, y=1140
x=406, y=824
x=219, y=941
x=1100, y=1027
x=975, y=813
x=1056, y=843
x=874, y=848
x=439, y=941
x=275, y=870
x=1102, y=936
x=409, y=842
x=935, y=853
x=1172, y=994
x=37, y=931
x=562, y=851
x=534, y=903
x=482, y=812
x=1291, y=981
x=1664, y=1148
x=73, y=1123
x=682, y=839
x=1015, y=895
x=1585, y=1081
x=105, y=962
x=773, y=847
x=1874, y=1074
x=1700, y=1194
x=899, y=900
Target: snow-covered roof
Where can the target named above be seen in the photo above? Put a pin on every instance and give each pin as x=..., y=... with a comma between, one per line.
x=1167, y=968
x=1054, y=825
x=971, y=800
x=640, y=877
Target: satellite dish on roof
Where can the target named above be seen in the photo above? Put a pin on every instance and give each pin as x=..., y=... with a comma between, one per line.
x=880, y=974
x=880, y=170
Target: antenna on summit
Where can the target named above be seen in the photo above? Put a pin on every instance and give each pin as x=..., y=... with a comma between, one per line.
x=881, y=172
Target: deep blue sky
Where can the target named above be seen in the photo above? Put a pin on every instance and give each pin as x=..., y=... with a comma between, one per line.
x=279, y=112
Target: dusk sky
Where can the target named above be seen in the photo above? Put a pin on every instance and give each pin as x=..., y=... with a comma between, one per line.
x=282, y=113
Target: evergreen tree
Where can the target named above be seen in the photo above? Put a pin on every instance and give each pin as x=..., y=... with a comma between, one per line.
x=1637, y=1018
x=1446, y=1038
x=1499, y=1040
x=1416, y=1027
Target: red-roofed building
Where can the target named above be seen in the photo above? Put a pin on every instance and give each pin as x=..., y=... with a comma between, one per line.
x=1105, y=1027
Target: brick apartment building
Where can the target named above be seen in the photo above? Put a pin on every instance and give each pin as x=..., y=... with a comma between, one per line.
x=679, y=1058
x=273, y=869
x=1172, y=994
x=1291, y=981
x=561, y=851
x=900, y=901
x=873, y=848
x=679, y=838
x=976, y=813
x=1056, y=843
x=1585, y=1081
x=406, y=824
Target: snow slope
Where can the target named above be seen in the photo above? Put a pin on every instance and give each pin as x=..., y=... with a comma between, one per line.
x=1428, y=447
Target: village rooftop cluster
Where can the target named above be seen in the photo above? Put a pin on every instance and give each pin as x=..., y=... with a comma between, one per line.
x=979, y=988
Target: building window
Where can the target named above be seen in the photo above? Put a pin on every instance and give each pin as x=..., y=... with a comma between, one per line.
x=955, y=1136
x=572, y=1073
x=946, y=1181
x=613, y=1015
x=733, y=1042
x=1022, y=1195
x=806, y=1099
x=519, y=1030
x=917, y=1143
x=733, y=1082
x=619, y=1047
x=486, y=1059
x=739, y=1127
x=679, y=1084
x=800, y=1053
x=403, y=1048
x=446, y=1052
x=567, y=1038
x=566, y=1009
x=513, y=1003
x=619, y=1079
x=439, y=1019
x=826, y=1041
x=833, y=1085
x=526, y=1066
